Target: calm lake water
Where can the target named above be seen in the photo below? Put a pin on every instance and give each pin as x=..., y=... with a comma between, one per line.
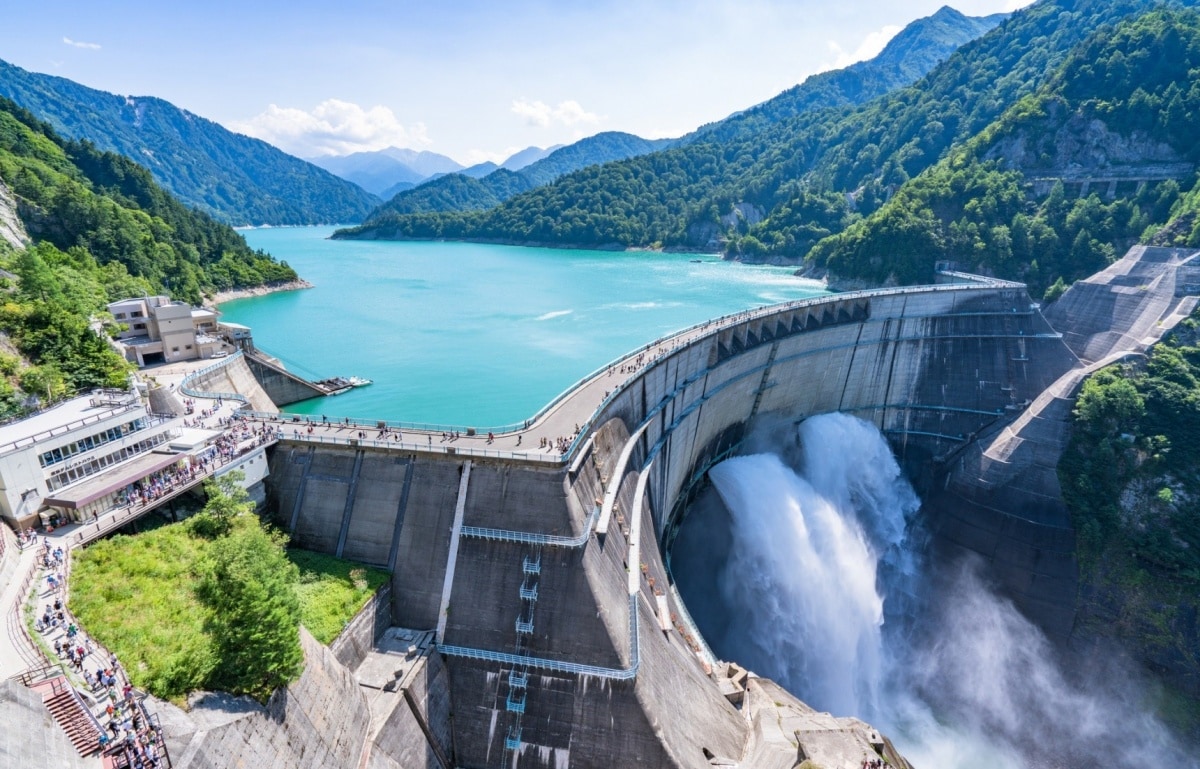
x=479, y=335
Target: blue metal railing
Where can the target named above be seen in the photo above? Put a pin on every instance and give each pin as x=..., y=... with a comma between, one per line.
x=515, y=702
x=186, y=388
x=531, y=538
x=558, y=666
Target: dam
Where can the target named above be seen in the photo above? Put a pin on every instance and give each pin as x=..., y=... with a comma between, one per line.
x=534, y=559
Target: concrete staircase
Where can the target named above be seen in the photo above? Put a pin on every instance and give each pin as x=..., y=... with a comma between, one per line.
x=64, y=704
x=1126, y=307
x=1118, y=312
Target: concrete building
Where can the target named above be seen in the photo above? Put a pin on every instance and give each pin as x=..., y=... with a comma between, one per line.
x=76, y=459
x=163, y=331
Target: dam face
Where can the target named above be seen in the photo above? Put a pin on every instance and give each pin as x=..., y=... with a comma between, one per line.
x=564, y=642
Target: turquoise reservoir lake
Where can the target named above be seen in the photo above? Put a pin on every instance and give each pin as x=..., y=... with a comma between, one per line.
x=479, y=335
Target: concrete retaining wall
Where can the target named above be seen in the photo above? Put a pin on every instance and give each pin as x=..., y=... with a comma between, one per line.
x=30, y=736
x=235, y=377
x=282, y=386
x=319, y=721
x=401, y=743
x=355, y=641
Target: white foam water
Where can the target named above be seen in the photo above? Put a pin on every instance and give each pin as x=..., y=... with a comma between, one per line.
x=820, y=589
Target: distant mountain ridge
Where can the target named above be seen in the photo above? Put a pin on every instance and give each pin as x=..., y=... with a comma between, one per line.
x=390, y=171
x=466, y=192
x=528, y=156
x=234, y=178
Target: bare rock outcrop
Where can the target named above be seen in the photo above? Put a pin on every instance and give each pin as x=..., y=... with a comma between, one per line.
x=12, y=231
x=1080, y=146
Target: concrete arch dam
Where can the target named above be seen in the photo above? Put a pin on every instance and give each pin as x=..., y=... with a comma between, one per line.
x=563, y=641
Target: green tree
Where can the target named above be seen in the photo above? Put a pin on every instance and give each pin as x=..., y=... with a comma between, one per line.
x=227, y=500
x=255, y=621
x=1110, y=400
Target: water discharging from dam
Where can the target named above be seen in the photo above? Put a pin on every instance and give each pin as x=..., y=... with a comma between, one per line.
x=804, y=563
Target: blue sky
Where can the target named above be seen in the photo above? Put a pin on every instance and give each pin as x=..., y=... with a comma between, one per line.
x=472, y=80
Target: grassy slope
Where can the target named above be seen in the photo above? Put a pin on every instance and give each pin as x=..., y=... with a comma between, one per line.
x=135, y=594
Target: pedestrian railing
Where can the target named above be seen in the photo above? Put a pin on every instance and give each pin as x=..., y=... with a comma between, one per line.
x=532, y=538
x=559, y=666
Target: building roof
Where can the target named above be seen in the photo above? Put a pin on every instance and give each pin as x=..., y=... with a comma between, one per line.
x=192, y=438
x=138, y=341
x=64, y=418
x=113, y=479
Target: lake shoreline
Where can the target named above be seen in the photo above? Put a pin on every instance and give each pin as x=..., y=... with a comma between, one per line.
x=244, y=293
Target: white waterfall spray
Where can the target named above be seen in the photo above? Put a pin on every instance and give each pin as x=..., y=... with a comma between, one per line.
x=805, y=572
x=826, y=534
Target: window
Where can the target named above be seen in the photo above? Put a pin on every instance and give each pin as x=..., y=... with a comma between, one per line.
x=174, y=349
x=119, y=315
x=139, y=326
x=67, y=476
x=55, y=456
x=137, y=314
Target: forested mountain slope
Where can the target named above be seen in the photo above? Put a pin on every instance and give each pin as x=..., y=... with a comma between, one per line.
x=773, y=193
x=1123, y=109
x=236, y=179
x=102, y=230
x=907, y=57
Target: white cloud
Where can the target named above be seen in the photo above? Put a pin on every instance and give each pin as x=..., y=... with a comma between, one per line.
x=78, y=44
x=869, y=48
x=333, y=127
x=568, y=113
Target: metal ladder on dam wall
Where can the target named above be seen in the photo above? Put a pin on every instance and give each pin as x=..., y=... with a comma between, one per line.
x=543, y=663
x=518, y=677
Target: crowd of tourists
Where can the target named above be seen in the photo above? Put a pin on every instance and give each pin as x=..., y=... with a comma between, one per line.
x=126, y=731
x=231, y=444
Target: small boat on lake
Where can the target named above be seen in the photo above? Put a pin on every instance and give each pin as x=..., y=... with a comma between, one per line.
x=340, y=384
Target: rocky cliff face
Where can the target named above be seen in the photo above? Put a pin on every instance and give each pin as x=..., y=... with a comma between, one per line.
x=12, y=231
x=1078, y=146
